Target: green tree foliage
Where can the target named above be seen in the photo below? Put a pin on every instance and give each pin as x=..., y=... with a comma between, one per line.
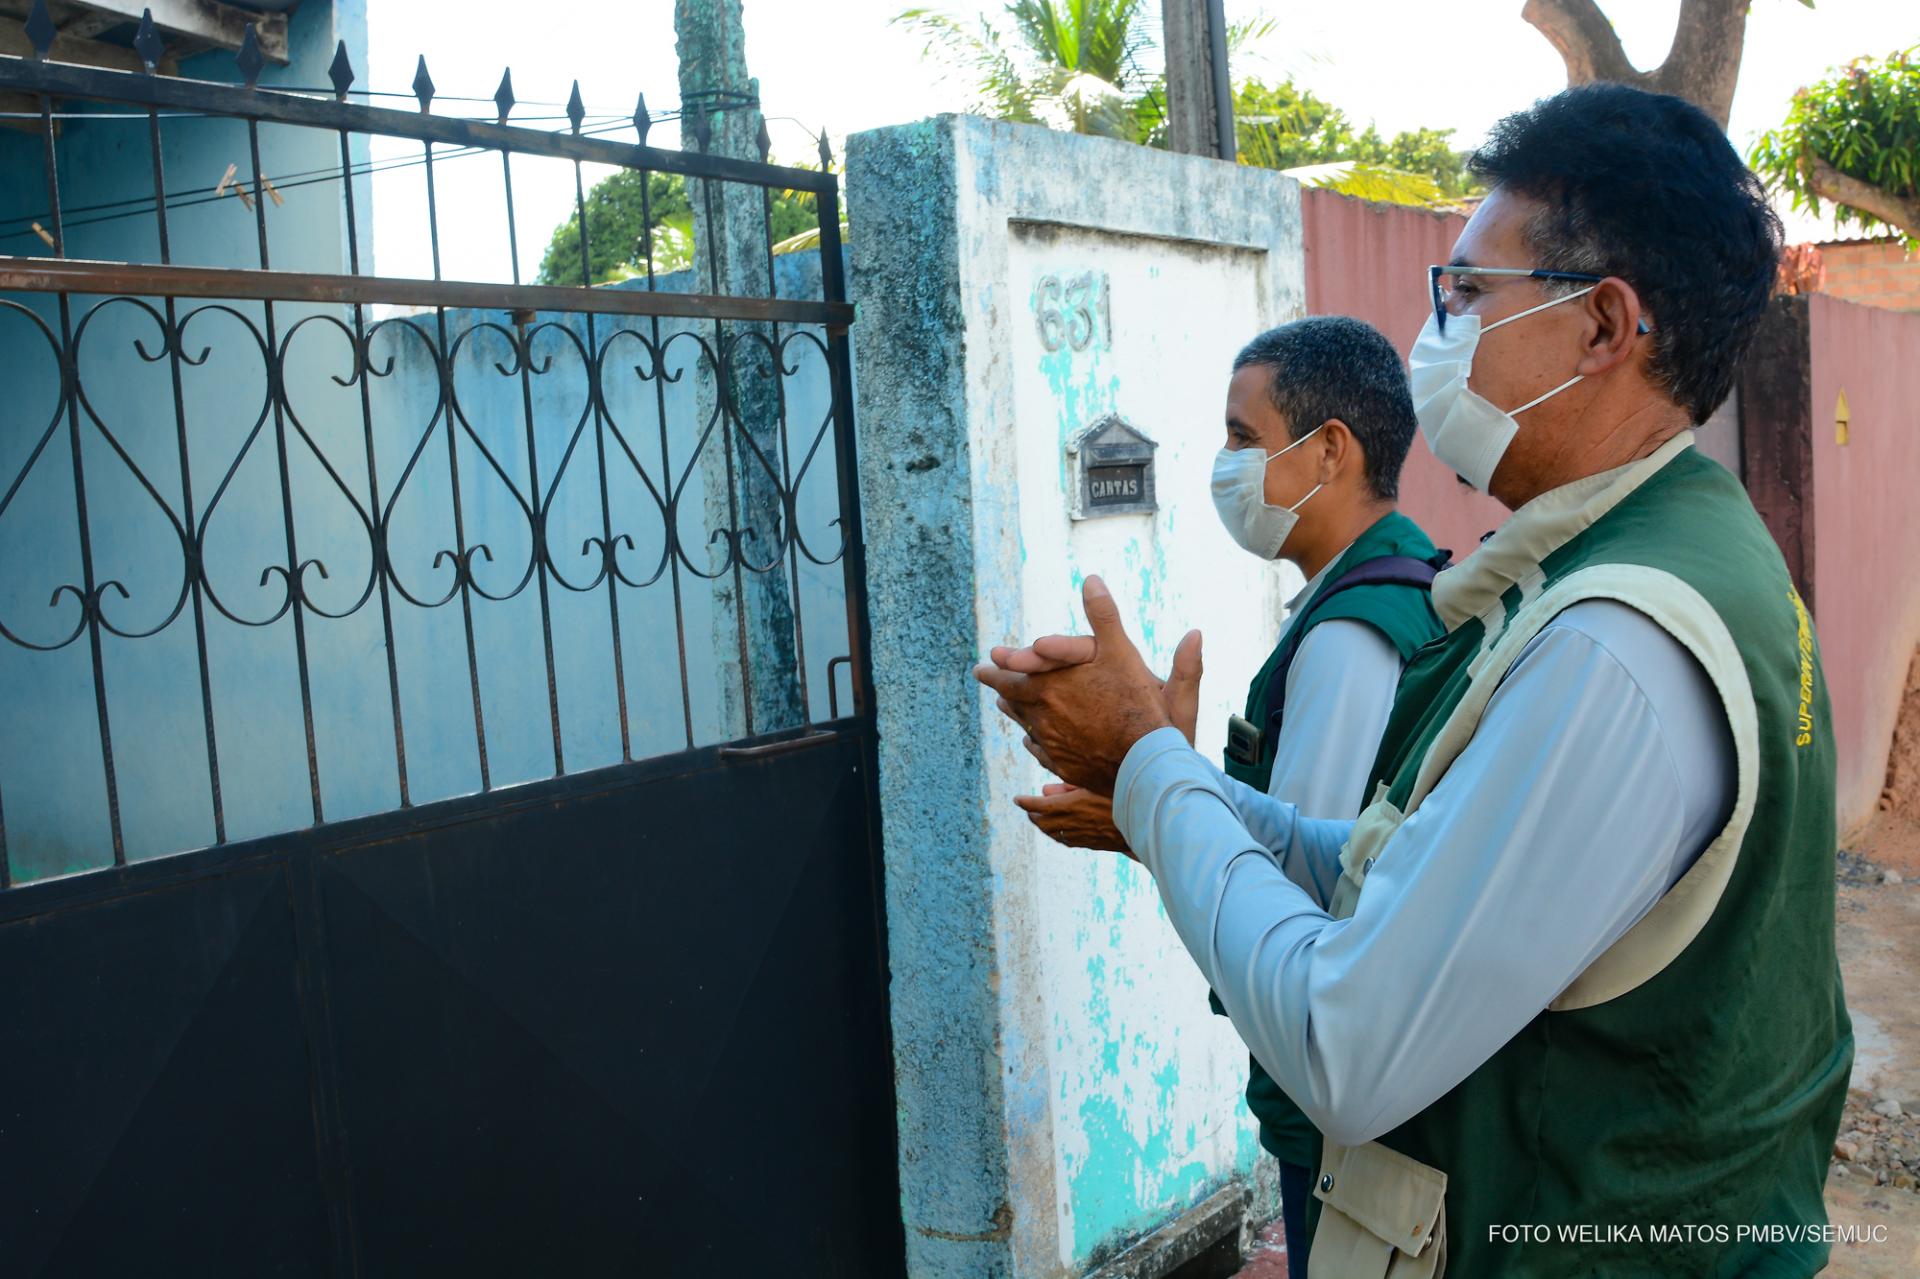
x=1853, y=139
x=1282, y=126
x=617, y=225
x=1097, y=37
x=1069, y=64
x=1077, y=65
x=1424, y=151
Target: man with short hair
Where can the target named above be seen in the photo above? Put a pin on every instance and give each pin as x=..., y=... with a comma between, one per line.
x=1569, y=981
x=1318, y=423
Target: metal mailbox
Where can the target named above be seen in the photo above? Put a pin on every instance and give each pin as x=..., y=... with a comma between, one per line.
x=1112, y=469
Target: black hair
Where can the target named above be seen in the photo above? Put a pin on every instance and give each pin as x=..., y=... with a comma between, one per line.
x=1329, y=366
x=1646, y=187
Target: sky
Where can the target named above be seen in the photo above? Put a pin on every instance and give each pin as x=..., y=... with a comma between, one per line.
x=843, y=66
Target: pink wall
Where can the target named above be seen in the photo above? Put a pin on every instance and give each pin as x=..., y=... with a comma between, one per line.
x=1370, y=261
x=1866, y=543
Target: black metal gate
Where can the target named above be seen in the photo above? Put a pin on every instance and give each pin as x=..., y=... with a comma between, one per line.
x=620, y=1010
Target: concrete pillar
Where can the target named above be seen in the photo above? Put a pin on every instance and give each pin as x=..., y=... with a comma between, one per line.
x=1063, y=1090
x=759, y=682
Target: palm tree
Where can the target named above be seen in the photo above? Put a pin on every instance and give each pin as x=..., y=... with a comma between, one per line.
x=1069, y=64
x=1076, y=65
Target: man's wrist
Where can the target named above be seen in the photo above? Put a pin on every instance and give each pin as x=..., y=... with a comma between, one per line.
x=1141, y=723
x=1140, y=756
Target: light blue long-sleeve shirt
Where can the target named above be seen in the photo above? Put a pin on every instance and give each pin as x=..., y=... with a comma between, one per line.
x=1603, y=766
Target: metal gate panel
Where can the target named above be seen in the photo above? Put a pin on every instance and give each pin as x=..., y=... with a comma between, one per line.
x=668, y=1074
x=156, y=1068
x=615, y=1019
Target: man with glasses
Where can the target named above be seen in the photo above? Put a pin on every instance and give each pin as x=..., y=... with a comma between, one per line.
x=1564, y=998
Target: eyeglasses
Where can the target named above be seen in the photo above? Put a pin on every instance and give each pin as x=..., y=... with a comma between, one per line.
x=1440, y=295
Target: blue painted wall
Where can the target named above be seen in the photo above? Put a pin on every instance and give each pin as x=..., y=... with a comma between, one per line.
x=51, y=775
x=52, y=780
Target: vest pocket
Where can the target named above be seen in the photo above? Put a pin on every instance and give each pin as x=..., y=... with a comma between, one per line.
x=1371, y=831
x=1382, y=1216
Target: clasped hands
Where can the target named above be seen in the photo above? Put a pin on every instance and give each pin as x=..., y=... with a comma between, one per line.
x=1083, y=701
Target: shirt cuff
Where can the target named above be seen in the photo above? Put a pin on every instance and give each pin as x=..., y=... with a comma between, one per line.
x=1138, y=785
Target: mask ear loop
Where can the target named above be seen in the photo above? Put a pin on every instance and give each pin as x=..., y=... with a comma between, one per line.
x=1642, y=328
x=1521, y=315
x=1578, y=377
x=1295, y=444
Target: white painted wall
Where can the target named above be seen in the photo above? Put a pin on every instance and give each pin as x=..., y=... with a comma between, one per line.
x=1113, y=1101
x=1145, y=1103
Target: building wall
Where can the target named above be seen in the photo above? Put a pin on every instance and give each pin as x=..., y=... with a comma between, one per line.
x=1867, y=540
x=1063, y=1087
x=51, y=766
x=674, y=628
x=1370, y=261
x=52, y=771
x=1878, y=273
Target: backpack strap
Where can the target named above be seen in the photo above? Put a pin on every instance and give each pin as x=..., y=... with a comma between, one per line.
x=1387, y=570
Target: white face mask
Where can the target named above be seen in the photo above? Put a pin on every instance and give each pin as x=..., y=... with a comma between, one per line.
x=1465, y=431
x=1240, y=497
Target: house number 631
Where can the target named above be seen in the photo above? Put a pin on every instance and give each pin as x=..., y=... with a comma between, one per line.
x=1072, y=312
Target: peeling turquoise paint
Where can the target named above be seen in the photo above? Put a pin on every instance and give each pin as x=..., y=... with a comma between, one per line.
x=1124, y=1184
x=1124, y=1181
x=1084, y=389
x=1167, y=1078
x=1097, y=1007
x=1246, y=1144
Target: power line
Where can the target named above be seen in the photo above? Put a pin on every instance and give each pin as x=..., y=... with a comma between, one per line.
x=146, y=207
x=180, y=198
x=209, y=115
x=145, y=202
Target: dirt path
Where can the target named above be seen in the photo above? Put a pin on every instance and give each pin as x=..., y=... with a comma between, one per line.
x=1879, y=938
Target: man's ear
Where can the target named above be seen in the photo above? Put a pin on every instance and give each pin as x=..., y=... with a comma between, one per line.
x=1614, y=319
x=1340, y=446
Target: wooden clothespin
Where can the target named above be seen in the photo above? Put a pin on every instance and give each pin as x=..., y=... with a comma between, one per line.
x=245, y=199
x=268, y=183
x=221, y=188
x=43, y=234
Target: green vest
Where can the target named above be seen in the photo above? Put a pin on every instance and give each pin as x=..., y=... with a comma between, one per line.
x=1405, y=616
x=1693, y=1074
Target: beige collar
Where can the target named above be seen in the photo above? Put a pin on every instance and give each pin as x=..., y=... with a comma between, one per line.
x=1536, y=530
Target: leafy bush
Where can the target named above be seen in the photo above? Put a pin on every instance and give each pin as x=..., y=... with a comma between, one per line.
x=1864, y=121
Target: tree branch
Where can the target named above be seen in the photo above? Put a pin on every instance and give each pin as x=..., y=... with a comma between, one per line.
x=1584, y=39
x=1903, y=214
x=1703, y=62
